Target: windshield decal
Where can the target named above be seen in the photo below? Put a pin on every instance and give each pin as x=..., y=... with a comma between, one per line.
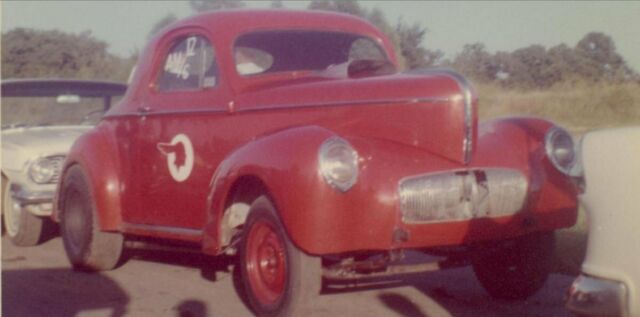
x=178, y=62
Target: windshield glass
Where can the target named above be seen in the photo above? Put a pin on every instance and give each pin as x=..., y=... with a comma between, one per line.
x=61, y=110
x=298, y=50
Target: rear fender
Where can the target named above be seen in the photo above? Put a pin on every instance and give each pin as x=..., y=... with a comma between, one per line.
x=96, y=154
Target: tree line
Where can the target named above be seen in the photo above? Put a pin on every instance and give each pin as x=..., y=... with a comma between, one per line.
x=28, y=53
x=35, y=53
x=594, y=59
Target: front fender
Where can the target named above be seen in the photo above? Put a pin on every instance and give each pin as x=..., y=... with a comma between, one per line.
x=519, y=142
x=286, y=163
x=96, y=153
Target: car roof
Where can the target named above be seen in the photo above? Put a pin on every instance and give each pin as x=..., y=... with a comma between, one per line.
x=244, y=20
x=52, y=87
x=225, y=26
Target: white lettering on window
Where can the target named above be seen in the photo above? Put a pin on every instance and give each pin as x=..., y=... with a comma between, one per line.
x=177, y=64
x=191, y=46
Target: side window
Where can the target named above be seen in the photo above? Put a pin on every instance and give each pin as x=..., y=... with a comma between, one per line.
x=189, y=65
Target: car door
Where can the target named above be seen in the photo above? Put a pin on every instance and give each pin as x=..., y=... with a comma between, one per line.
x=173, y=149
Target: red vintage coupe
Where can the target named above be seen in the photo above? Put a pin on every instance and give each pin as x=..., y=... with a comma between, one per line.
x=291, y=138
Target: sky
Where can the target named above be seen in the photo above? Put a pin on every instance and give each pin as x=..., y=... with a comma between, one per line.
x=500, y=25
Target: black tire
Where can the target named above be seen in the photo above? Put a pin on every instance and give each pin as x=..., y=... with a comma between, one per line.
x=23, y=228
x=518, y=270
x=87, y=247
x=300, y=278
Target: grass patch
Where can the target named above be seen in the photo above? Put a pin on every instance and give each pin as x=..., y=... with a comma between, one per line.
x=578, y=107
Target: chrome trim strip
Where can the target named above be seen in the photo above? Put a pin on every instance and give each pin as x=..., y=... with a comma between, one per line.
x=26, y=197
x=164, y=113
x=377, y=102
x=466, y=89
x=163, y=229
x=405, y=101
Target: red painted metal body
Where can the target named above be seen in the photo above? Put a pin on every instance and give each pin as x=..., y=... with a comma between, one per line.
x=270, y=128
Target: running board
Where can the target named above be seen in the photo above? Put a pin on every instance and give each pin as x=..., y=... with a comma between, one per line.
x=373, y=269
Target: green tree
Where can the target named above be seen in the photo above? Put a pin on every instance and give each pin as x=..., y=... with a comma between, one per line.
x=33, y=53
x=533, y=63
x=475, y=62
x=593, y=59
x=410, y=40
x=599, y=58
x=564, y=63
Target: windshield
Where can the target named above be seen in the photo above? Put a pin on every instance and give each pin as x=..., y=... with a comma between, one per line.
x=299, y=50
x=61, y=110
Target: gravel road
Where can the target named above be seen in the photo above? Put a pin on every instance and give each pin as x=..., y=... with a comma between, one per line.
x=37, y=281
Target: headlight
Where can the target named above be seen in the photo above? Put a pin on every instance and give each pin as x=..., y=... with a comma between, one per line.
x=338, y=163
x=562, y=152
x=46, y=169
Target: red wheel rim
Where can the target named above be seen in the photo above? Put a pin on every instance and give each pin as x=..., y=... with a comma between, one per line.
x=266, y=262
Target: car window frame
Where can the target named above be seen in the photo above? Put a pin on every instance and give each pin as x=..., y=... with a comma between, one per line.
x=162, y=52
x=376, y=40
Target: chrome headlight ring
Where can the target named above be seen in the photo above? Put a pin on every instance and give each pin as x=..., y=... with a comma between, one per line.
x=46, y=170
x=563, y=152
x=338, y=163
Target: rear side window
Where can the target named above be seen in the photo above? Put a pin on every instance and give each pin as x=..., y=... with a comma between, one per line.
x=189, y=65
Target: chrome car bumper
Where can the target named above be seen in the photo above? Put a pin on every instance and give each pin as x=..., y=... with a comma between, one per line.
x=39, y=203
x=592, y=296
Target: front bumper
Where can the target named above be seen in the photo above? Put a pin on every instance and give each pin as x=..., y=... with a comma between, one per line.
x=593, y=296
x=39, y=203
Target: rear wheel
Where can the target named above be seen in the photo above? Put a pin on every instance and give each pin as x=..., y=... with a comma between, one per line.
x=519, y=269
x=279, y=279
x=23, y=228
x=86, y=246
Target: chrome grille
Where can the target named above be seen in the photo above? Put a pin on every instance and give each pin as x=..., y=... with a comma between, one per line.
x=57, y=162
x=462, y=195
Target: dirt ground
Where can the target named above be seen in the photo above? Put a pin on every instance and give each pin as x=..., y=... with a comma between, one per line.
x=37, y=281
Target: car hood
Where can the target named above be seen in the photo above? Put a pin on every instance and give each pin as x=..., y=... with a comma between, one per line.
x=420, y=110
x=19, y=145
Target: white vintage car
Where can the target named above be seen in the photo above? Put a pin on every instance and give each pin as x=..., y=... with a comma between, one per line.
x=610, y=281
x=41, y=118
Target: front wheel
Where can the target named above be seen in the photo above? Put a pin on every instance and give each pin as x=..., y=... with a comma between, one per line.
x=279, y=279
x=518, y=270
x=23, y=228
x=86, y=246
